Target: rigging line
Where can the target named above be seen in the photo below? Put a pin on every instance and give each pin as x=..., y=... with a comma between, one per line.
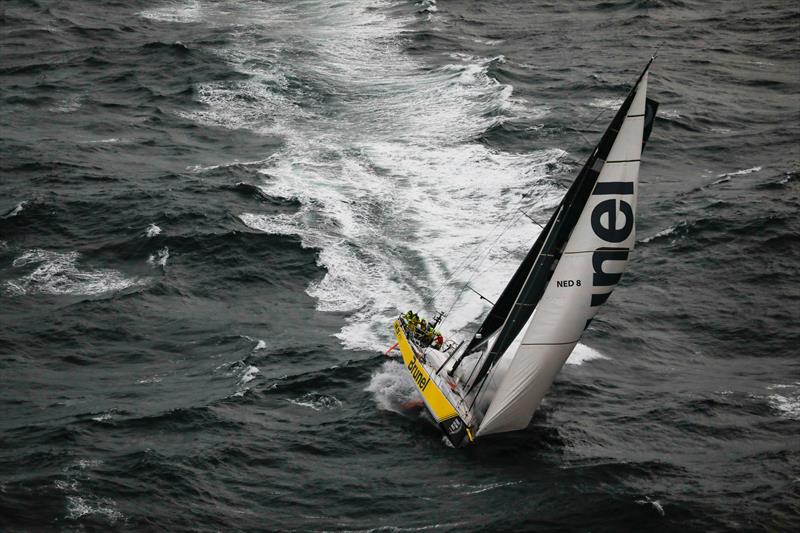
x=478, y=258
x=474, y=274
x=487, y=252
x=658, y=48
x=531, y=218
x=467, y=259
x=481, y=295
x=478, y=252
x=480, y=388
x=476, y=365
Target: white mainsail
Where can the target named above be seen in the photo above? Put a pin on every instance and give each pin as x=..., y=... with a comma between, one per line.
x=588, y=269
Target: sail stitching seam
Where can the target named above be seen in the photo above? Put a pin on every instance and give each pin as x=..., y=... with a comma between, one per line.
x=549, y=343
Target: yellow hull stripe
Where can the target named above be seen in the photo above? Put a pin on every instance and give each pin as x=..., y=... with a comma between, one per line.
x=437, y=403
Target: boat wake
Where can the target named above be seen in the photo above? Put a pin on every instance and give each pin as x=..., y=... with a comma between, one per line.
x=387, y=170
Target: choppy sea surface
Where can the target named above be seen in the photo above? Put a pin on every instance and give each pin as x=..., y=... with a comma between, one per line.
x=210, y=211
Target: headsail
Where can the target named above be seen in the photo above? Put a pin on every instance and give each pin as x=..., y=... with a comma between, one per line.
x=584, y=252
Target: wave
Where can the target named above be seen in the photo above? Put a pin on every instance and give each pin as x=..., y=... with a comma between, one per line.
x=80, y=501
x=785, y=399
x=159, y=258
x=184, y=12
x=767, y=230
x=606, y=103
x=58, y=273
x=151, y=231
x=728, y=175
x=80, y=506
x=16, y=210
x=317, y=401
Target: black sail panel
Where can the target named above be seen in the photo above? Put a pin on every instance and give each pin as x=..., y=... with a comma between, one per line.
x=650, y=109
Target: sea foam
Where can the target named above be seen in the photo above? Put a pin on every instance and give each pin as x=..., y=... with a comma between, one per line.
x=59, y=273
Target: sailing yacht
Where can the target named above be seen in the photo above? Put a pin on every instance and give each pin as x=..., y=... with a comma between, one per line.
x=496, y=381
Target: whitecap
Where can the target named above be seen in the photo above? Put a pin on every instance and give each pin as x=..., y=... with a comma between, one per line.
x=485, y=487
x=428, y=6
x=738, y=173
x=654, y=503
x=248, y=375
x=84, y=464
x=184, y=12
x=67, y=105
x=79, y=506
x=663, y=233
x=16, y=211
x=669, y=113
x=58, y=273
x=317, y=401
x=606, y=103
x=785, y=399
x=159, y=258
x=66, y=486
x=152, y=230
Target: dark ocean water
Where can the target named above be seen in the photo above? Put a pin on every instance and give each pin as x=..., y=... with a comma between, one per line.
x=211, y=210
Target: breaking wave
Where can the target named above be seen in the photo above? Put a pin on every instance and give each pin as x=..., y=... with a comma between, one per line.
x=59, y=273
x=151, y=231
x=159, y=258
x=785, y=399
x=16, y=210
x=317, y=401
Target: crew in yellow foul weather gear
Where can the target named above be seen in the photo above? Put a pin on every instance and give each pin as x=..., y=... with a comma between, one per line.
x=421, y=330
x=429, y=335
x=412, y=322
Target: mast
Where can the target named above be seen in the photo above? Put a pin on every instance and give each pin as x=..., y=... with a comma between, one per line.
x=547, y=249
